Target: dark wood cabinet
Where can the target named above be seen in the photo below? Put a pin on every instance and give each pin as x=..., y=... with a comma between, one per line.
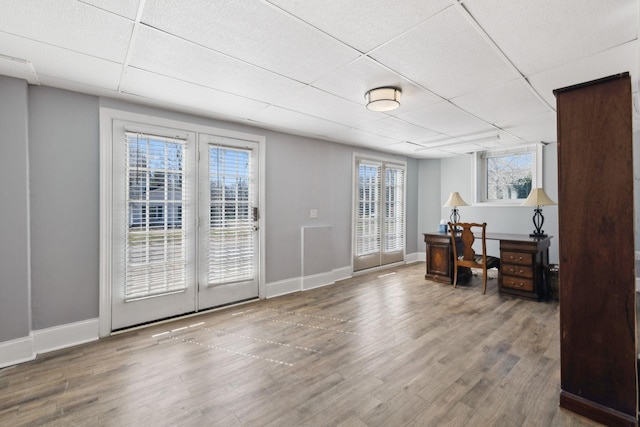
x=598, y=344
x=523, y=266
x=439, y=257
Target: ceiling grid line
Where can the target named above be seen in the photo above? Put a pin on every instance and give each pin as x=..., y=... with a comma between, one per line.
x=467, y=69
x=132, y=40
x=483, y=33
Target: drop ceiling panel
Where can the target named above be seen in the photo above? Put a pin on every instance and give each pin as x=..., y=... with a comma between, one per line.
x=446, y=118
x=363, y=27
x=53, y=61
x=366, y=139
x=398, y=129
x=538, y=128
x=612, y=61
x=317, y=103
x=283, y=119
x=462, y=149
x=176, y=93
x=539, y=35
x=253, y=32
x=170, y=56
x=75, y=86
x=433, y=153
x=353, y=80
x=68, y=24
x=126, y=8
x=503, y=102
x=446, y=55
x=406, y=148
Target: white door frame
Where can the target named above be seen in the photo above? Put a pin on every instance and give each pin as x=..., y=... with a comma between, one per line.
x=107, y=116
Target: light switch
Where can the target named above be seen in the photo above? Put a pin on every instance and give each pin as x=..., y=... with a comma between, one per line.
x=313, y=213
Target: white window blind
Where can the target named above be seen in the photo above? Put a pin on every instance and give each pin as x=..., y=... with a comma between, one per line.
x=394, y=209
x=368, y=217
x=155, y=238
x=231, y=232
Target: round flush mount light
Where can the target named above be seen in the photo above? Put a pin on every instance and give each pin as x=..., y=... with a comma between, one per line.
x=383, y=99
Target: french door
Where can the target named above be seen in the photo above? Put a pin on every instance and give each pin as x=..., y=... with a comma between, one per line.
x=184, y=222
x=228, y=241
x=379, y=213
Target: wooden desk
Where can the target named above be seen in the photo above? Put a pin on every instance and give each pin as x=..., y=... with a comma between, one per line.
x=524, y=262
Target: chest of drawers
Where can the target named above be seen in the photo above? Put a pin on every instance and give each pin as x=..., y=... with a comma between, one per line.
x=522, y=268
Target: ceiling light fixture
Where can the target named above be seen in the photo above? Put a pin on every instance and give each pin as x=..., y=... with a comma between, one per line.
x=383, y=99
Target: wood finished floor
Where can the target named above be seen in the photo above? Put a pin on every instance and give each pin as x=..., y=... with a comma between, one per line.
x=393, y=350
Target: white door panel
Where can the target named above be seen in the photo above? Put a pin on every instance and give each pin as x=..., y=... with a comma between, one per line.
x=153, y=253
x=229, y=213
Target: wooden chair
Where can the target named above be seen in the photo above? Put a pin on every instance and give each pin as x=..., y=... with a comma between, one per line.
x=462, y=239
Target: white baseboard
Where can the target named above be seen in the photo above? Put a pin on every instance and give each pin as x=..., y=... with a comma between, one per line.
x=57, y=337
x=317, y=281
x=415, y=257
x=46, y=340
x=283, y=287
x=298, y=284
x=342, y=273
x=16, y=351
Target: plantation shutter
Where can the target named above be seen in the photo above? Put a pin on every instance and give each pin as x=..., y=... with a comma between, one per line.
x=231, y=222
x=368, y=215
x=155, y=238
x=394, y=209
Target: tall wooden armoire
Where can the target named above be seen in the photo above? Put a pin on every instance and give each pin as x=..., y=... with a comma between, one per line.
x=598, y=340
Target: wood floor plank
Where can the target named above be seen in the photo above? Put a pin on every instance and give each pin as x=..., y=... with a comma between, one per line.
x=386, y=348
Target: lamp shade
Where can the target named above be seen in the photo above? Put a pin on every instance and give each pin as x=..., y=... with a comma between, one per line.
x=454, y=200
x=537, y=197
x=383, y=99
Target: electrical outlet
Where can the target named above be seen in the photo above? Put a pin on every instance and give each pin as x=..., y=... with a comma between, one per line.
x=313, y=213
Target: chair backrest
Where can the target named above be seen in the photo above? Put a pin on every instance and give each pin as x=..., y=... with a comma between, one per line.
x=464, y=232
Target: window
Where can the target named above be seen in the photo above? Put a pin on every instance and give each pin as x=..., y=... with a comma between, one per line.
x=507, y=176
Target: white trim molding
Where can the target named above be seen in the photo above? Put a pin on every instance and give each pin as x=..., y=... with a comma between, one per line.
x=45, y=340
x=63, y=336
x=16, y=351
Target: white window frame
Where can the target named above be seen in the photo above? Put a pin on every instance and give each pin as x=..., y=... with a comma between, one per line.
x=480, y=173
x=107, y=116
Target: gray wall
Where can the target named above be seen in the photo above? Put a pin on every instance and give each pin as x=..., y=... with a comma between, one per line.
x=14, y=211
x=59, y=159
x=64, y=177
x=429, y=198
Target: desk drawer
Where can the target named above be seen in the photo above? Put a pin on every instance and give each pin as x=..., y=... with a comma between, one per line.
x=517, y=270
x=519, y=283
x=516, y=258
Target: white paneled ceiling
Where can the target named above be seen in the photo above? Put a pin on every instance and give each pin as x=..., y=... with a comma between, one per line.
x=473, y=73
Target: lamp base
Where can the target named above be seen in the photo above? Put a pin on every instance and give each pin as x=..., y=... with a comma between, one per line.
x=538, y=235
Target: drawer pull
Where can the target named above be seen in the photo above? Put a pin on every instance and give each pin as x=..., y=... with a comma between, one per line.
x=519, y=285
x=513, y=271
x=519, y=258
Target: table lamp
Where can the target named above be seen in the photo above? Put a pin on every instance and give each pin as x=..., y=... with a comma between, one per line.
x=537, y=197
x=453, y=202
